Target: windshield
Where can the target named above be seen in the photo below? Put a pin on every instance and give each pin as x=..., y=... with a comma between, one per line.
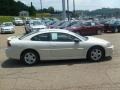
x=60, y=23
x=81, y=37
x=76, y=24
x=71, y=23
x=34, y=23
x=65, y=24
x=25, y=35
x=7, y=24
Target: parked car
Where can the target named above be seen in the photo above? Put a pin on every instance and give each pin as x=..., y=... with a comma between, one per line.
x=56, y=44
x=18, y=21
x=7, y=27
x=34, y=25
x=87, y=28
x=66, y=24
x=55, y=25
x=112, y=26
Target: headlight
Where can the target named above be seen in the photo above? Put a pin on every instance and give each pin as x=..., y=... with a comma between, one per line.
x=31, y=29
x=11, y=28
x=109, y=44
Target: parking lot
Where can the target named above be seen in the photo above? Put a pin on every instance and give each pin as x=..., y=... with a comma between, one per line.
x=61, y=75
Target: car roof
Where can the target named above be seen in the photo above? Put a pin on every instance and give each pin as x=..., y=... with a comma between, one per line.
x=53, y=30
x=50, y=30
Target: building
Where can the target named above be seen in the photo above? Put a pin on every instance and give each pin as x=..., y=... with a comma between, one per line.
x=24, y=14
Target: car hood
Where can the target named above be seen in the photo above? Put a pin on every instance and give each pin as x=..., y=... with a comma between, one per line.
x=38, y=26
x=7, y=27
x=95, y=40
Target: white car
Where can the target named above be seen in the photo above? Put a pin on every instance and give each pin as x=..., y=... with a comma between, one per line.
x=7, y=27
x=34, y=25
x=18, y=21
x=56, y=44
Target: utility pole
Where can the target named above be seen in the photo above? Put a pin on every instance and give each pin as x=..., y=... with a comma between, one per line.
x=64, y=11
x=74, y=6
x=68, y=10
x=41, y=4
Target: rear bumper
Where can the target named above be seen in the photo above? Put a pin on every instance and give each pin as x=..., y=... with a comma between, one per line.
x=10, y=53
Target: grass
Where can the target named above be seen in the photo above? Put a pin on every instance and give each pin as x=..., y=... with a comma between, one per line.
x=6, y=19
x=40, y=15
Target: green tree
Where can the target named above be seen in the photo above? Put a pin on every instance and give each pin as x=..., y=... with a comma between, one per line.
x=51, y=10
x=32, y=10
x=12, y=8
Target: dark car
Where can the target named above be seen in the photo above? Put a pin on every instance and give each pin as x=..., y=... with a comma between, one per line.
x=56, y=24
x=87, y=28
x=112, y=26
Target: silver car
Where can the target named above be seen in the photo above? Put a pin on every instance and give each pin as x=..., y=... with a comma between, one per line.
x=7, y=27
x=57, y=44
x=34, y=25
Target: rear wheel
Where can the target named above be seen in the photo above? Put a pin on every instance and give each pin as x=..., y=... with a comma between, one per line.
x=30, y=57
x=96, y=54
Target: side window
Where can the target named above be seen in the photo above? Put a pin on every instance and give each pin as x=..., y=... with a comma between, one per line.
x=87, y=24
x=62, y=37
x=92, y=24
x=41, y=37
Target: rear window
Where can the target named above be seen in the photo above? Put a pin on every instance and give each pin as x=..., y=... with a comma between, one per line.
x=41, y=37
x=25, y=35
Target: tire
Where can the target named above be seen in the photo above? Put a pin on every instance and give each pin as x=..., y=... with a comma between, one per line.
x=99, y=32
x=13, y=32
x=105, y=31
x=115, y=30
x=96, y=54
x=30, y=57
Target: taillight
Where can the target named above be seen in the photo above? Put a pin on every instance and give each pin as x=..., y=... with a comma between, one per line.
x=8, y=43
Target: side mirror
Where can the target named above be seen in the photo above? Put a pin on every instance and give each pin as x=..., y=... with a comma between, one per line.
x=76, y=40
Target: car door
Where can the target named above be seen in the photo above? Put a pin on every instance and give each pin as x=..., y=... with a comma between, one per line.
x=63, y=46
x=93, y=28
x=41, y=43
x=86, y=29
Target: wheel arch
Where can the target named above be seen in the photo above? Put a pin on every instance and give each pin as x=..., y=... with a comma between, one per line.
x=94, y=47
x=29, y=49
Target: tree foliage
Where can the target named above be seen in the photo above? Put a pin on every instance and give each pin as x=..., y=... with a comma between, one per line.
x=104, y=12
x=50, y=10
x=12, y=8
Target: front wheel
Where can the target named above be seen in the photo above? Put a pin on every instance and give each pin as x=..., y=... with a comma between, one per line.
x=96, y=54
x=99, y=32
x=115, y=30
x=30, y=57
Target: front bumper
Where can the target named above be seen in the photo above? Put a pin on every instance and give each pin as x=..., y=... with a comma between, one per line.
x=10, y=31
x=109, y=51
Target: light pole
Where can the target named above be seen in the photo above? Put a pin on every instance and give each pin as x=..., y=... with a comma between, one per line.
x=68, y=10
x=41, y=4
x=74, y=6
x=64, y=12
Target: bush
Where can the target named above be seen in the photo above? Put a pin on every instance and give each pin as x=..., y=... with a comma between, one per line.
x=6, y=19
x=43, y=15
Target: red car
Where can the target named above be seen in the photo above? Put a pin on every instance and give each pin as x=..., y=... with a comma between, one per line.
x=87, y=28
